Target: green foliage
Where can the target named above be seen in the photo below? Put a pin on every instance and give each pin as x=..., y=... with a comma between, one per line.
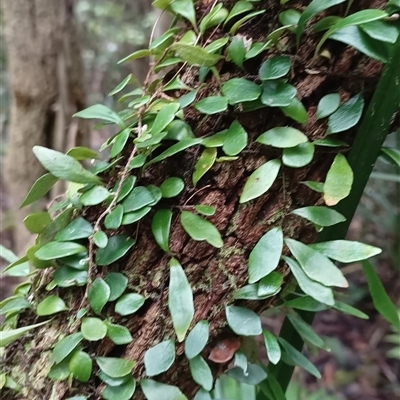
x=154, y=128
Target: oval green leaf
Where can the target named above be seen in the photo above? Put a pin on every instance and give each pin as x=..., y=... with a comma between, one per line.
x=316, y=265
x=54, y=250
x=242, y=321
x=200, y=229
x=171, y=187
x=180, y=300
x=212, y=105
x=320, y=215
x=93, y=329
x=201, y=372
x=282, y=137
x=117, y=283
x=115, y=367
x=161, y=226
x=240, y=90
x=235, y=140
x=80, y=366
x=265, y=256
x=260, y=180
x=99, y=294
x=129, y=303
x=339, y=181
x=51, y=305
x=159, y=358
x=117, y=247
x=197, y=339
x=327, y=105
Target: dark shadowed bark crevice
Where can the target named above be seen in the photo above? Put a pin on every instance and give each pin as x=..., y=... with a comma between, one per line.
x=214, y=274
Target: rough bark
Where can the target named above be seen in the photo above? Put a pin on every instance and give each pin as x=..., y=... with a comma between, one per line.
x=214, y=274
x=45, y=75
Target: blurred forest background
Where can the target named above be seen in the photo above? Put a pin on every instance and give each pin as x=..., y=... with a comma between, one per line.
x=61, y=56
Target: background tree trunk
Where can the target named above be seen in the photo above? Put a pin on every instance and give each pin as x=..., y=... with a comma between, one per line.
x=214, y=274
x=45, y=73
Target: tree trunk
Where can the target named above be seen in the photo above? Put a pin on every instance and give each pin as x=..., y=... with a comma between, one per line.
x=45, y=74
x=214, y=274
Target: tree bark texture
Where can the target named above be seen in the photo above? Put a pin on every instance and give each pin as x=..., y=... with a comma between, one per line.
x=214, y=274
x=45, y=72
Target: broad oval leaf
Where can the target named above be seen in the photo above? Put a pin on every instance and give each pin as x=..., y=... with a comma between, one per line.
x=114, y=219
x=204, y=164
x=132, y=217
x=260, y=180
x=277, y=94
x=282, y=137
x=54, y=250
x=129, y=303
x=93, y=329
x=265, y=256
x=124, y=391
x=237, y=51
x=101, y=112
x=197, y=339
x=185, y=8
x=200, y=229
x=327, y=105
x=65, y=347
x=296, y=111
x=99, y=294
x=51, y=305
x=243, y=321
x=171, y=187
x=94, y=196
x=100, y=239
x=36, y=222
x=80, y=366
x=63, y=167
x=159, y=358
x=320, y=215
x=212, y=105
x=164, y=117
x=155, y=391
x=274, y=68
x=201, y=372
x=347, y=115
x=314, y=289
x=236, y=139
x=119, y=334
x=41, y=187
x=346, y=251
x=79, y=228
x=339, y=181
x=117, y=247
x=161, y=226
x=138, y=198
x=117, y=283
x=298, y=156
x=316, y=265
x=240, y=90
x=270, y=284
x=180, y=300
x=306, y=303
x=115, y=367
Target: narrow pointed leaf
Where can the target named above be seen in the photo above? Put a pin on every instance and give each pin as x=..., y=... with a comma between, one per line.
x=346, y=251
x=204, y=164
x=315, y=265
x=7, y=337
x=180, y=300
x=320, y=215
x=313, y=288
x=40, y=188
x=272, y=346
x=160, y=226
